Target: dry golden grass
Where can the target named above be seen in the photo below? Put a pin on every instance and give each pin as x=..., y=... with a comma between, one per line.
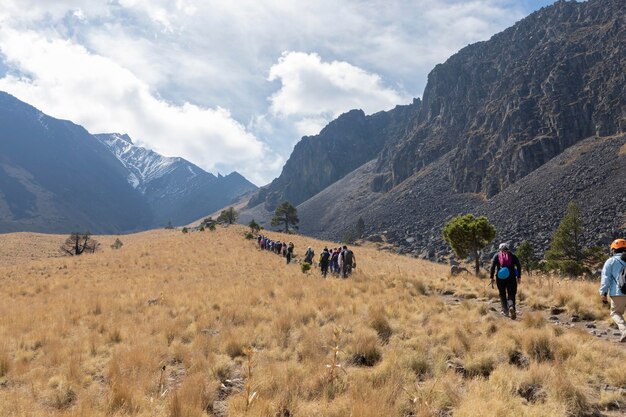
x=79, y=338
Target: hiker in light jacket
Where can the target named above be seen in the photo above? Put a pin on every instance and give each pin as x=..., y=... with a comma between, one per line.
x=608, y=285
x=508, y=269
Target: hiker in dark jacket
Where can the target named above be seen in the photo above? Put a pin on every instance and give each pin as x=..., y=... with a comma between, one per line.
x=324, y=261
x=289, y=252
x=346, y=260
x=508, y=269
x=308, y=256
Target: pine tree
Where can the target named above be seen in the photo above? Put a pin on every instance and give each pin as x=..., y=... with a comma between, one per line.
x=526, y=255
x=254, y=226
x=286, y=214
x=229, y=216
x=468, y=235
x=359, y=228
x=566, y=253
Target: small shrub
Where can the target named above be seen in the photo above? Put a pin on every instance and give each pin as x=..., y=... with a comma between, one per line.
x=117, y=244
x=248, y=235
x=185, y=230
x=305, y=267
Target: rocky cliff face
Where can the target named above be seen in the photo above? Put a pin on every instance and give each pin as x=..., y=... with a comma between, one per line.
x=513, y=128
x=345, y=144
x=507, y=106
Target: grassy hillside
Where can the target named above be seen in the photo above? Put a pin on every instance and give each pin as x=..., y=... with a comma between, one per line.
x=171, y=324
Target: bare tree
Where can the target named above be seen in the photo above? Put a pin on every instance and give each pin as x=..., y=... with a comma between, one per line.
x=77, y=244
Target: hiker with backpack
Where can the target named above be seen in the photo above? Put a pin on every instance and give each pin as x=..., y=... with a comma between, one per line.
x=324, y=261
x=308, y=256
x=347, y=260
x=289, y=252
x=613, y=284
x=508, y=270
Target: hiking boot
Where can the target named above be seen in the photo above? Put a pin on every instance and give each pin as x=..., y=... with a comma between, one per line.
x=512, y=313
x=505, y=313
x=623, y=338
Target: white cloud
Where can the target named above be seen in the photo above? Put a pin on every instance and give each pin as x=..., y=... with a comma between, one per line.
x=320, y=91
x=67, y=81
x=312, y=87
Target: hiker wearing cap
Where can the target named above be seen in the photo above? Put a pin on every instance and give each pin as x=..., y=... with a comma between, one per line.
x=508, y=270
x=612, y=284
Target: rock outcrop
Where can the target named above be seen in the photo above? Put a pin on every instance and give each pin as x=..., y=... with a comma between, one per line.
x=345, y=144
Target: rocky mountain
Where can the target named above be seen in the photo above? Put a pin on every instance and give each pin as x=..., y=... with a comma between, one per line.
x=176, y=190
x=513, y=128
x=57, y=177
x=345, y=144
x=507, y=106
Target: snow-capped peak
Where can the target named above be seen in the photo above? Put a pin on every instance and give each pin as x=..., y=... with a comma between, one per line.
x=144, y=165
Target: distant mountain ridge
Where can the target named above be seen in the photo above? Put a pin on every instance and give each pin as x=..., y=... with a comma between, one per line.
x=57, y=177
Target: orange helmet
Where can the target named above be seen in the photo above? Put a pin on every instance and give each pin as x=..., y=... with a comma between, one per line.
x=618, y=244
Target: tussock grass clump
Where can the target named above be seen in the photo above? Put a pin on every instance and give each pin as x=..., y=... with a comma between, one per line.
x=364, y=349
x=534, y=320
x=539, y=345
x=5, y=363
x=378, y=321
x=480, y=365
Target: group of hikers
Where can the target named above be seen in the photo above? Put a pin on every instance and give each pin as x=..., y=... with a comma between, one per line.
x=339, y=261
x=506, y=271
x=280, y=248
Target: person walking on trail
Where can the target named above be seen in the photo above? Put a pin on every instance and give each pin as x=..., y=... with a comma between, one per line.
x=308, y=256
x=347, y=259
x=324, y=262
x=612, y=286
x=508, y=270
x=289, y=252
x=334, y=261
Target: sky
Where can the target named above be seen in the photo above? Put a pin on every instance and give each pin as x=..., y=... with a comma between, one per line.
x=232, y=84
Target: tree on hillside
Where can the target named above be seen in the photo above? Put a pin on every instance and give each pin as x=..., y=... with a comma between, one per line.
x=228, y=216
x=526, y=255
x=468, y=235
x=359, y=228
x=254, y=226
x=566, y=253
x=77, y=244
x=286, y=214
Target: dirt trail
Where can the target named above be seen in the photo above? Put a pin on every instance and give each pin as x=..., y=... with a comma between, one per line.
x=557, y=316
